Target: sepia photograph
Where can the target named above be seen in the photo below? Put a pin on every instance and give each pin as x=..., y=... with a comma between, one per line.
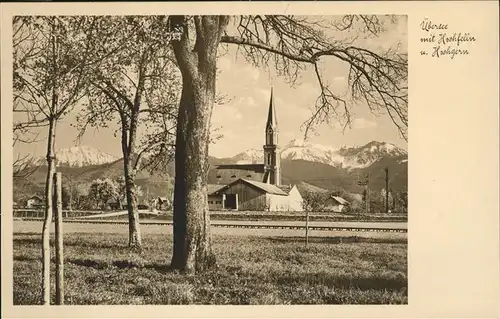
x=210, y=159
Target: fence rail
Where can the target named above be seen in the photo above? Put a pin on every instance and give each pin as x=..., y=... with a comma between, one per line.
x=26, y=213
x=247, y=225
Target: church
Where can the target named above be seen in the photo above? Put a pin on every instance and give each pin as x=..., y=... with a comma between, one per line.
x=254, y=187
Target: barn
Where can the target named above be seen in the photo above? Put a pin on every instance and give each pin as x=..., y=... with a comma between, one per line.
x=244, y=194
x=215, y=201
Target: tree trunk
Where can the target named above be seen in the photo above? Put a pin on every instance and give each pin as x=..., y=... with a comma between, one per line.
x=134, y=233
x=59, y=239
x=192, y=243
x=49, y=187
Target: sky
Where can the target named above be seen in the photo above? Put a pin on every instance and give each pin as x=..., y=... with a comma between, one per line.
x=242, y=120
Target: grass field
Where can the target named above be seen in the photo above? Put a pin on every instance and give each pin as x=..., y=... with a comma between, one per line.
x=99, y=269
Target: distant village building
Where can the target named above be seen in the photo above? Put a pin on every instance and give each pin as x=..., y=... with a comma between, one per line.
x=161, y=203
x=254, y=186
x=113, y=204
x=35, y=202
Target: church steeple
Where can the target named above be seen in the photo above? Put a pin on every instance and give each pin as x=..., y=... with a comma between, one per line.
x=272, y=122
x=271, y=148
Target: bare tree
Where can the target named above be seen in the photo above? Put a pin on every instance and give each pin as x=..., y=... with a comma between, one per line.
x=138, y=87
x=50, y=59
x=290, y=44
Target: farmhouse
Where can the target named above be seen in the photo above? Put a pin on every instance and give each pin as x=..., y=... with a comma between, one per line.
x=336, y=204
x=34, y=202
x=254, y=186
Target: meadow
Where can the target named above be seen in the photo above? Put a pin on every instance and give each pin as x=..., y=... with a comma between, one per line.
x=336, y=268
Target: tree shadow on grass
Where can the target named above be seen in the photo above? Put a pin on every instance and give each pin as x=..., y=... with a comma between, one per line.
x=395, y=283
x=27, y=241
x=71, y=243
x=26, y=258
x=122, y=264
x=340, y=240
x=91, y=263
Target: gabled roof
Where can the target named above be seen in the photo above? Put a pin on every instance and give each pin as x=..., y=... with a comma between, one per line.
x=213, y=188
x=228, y=173
x=35, y=197
x=340, y=200
x=266, y=188
x=305, y=188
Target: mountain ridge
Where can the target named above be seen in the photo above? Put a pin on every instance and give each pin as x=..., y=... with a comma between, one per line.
x=371, y=159
x=345, y=157
x=79, y=156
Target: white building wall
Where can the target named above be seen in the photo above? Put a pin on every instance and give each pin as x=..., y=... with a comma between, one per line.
x=292, y=202
x=296, y=201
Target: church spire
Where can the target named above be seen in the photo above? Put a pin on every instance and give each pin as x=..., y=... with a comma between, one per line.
x=271, y=148
x=271, y=116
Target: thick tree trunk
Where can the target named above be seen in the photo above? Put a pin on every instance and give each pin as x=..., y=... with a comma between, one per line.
x=192, y=249
x=134, y=233
x=192, y=243
x=49, y=188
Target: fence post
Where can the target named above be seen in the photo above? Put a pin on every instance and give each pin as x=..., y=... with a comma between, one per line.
x=59, y=241
x=49, y=210
x=307, y=228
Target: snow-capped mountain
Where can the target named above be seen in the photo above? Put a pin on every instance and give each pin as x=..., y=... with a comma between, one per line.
x=78, y=156
x=346, y=157
x=364, y=156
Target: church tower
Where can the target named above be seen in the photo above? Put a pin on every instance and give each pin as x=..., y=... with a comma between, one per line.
x=272, y=161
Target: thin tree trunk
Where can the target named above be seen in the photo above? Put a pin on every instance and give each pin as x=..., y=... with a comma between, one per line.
x=134, y=233
x=192, y=243
x=49, y=187
x=59, y=240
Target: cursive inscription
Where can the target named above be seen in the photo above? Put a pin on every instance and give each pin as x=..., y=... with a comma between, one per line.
x=427, y=25
x=439, y=41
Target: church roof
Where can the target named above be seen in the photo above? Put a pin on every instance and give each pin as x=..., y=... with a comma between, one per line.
x=285, y=188
x=271, y=116
x=267, y=188
x=228, y=173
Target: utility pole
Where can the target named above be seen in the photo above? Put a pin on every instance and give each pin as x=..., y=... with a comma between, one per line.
x=393, y=205
x=367, y=192
x=387, y=190
x=368, y=202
